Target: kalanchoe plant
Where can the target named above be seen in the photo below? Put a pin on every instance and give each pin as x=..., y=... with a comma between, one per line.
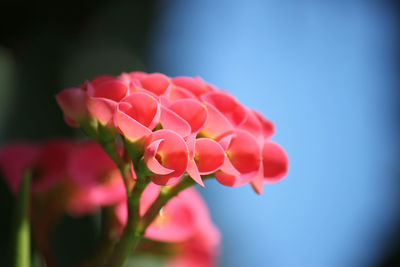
x=155, y=137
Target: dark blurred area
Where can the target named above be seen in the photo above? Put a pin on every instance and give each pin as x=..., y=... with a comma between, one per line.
x=50, y=48
x=47, y=47
x=391, y=256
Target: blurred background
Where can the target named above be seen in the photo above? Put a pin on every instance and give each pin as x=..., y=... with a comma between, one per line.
x=325, y=72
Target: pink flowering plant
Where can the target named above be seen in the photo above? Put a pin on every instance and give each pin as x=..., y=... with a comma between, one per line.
x=153, y=138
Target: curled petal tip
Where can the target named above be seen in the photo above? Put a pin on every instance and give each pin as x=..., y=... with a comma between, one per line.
x=152, y=163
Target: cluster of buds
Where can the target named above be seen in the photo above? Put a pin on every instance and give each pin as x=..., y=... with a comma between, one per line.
x=179, y=125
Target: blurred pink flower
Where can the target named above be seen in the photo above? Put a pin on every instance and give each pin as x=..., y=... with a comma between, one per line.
x=47, y=163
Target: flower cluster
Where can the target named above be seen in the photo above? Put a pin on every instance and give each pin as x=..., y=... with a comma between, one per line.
x=156, y=137
x=85, y=179
x=179, y=125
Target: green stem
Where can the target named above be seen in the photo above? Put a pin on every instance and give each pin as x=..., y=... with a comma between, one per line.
x=22, y=241
x=130, y=238
x=111, y=149
x=136, y=226
x=124, y=167
x=133, y=231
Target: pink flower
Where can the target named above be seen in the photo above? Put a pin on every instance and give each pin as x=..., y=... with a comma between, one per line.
x=104, y=93
x=184, y=116
x=216, y=125
x=132, y=78
x=87, y=199
x=46, y=162
x=253, y=126
x=136, y=115
x=153, y=83
x=15, y=159
x=194, y=85
x=205, y=157
x=184, y=218
x=73, y=103
x=88, y=164
x=267, y=126
x=97, y=179
x=172, y=121
x=243, y=159
x=199, y=251
x=219, y=134
x=178, y=220
x=233, y=111
x=176, y=93
x=202, y=248
x=166, y=155
x=274, y=166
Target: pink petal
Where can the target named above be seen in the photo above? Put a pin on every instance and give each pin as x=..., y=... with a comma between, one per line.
x=227, y=105
x=121, y=212
x=137, y=89
x=101, y=108
x=225, y=141
x=191, y=143
x=70, y=122
x=226, y=179
x=192, y=111
x=253, y=126
x=244, y=152
x=170, y=120
x=137, y=75
x=88, y=163
x=209, y=155
x=228, y=168
x=15, y=159
x=72, y=101
x=268, y=127
x=156, y=82
x=87, y=199
x=175, y=223
x=101, y=79
x=244, y=156
x=193, y=171
x=181, y=219
x=173, y=154
x=275, y=162
x=52, y=162
x=149, y=195
x=193, y=85
x=235, y=180
x=129, y=127
x=216, y=124
x=150, y=158
x=164, y=101
x=110, y=89
x=257, y=182
x=143, y=108
x=176, y=93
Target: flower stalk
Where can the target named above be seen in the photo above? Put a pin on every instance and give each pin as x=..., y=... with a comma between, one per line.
x=21, y=234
